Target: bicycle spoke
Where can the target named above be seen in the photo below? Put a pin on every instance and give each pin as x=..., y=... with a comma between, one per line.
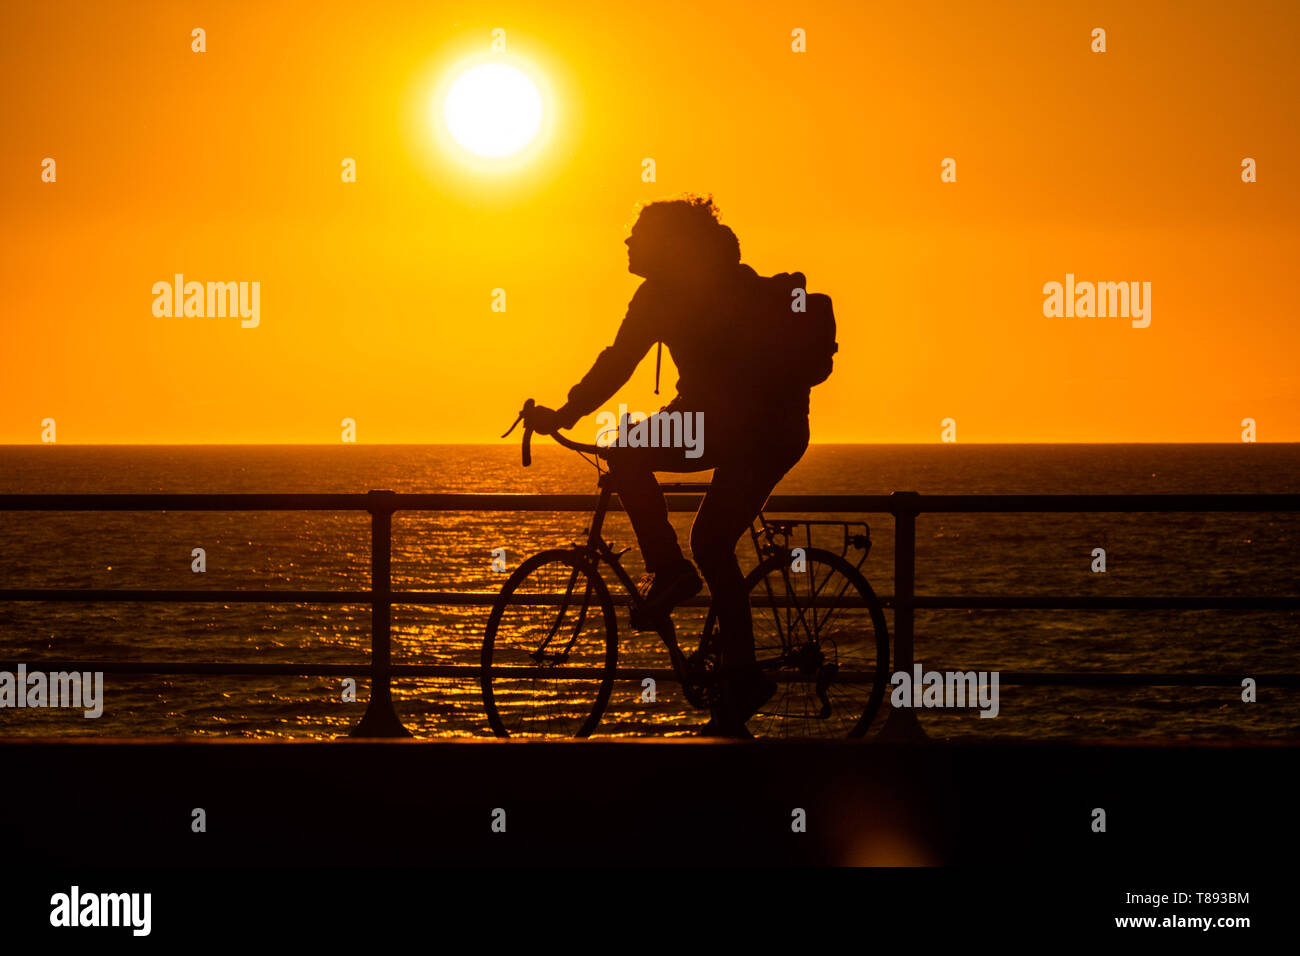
x=828, y=653
x=559, y=618
x=547, y=658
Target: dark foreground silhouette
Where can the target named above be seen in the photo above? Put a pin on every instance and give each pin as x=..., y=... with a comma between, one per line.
x=748, y=349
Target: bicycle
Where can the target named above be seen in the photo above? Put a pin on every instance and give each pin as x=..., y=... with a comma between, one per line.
x=550, y=671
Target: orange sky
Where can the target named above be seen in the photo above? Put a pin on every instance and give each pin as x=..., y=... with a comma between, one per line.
x=376, y=296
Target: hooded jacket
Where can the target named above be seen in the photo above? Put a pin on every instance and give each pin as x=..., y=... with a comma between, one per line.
x=724, y=368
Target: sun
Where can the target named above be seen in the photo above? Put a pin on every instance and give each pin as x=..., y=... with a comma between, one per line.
x=493, y=110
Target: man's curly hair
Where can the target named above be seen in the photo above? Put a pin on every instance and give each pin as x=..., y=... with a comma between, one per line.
x=693, y=220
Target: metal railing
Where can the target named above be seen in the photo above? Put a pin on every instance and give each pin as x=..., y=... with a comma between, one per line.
x=380, y=718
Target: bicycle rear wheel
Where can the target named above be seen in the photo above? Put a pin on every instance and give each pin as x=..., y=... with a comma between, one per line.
x=550, y=649
x=820, y=633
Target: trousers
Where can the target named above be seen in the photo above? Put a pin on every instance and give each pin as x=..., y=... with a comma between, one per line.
x=747, y=463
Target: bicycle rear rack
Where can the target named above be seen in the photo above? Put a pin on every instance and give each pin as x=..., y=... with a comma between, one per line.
x=782, y=536
x=779, y=535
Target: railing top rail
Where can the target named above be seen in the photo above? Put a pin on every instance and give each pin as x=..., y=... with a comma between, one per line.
x=896, y=503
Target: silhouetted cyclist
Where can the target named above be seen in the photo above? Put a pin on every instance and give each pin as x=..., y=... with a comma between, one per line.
x=700, y=301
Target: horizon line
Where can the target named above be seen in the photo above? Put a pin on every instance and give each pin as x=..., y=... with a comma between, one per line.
x=492, y=444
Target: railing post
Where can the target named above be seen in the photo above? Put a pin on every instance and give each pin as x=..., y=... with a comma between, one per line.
x=901, y=724
x=380, y=719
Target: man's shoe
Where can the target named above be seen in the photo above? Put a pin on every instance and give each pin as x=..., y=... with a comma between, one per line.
x=743, y=696
x=725, y=728
x=662, y=592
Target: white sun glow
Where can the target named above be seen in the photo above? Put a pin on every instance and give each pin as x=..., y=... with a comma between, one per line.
x=493, y=110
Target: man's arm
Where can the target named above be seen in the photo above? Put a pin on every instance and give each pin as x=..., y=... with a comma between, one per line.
x=614, y=365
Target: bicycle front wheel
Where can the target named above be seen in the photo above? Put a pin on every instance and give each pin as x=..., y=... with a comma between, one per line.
x=550, y=649
x=820, y=633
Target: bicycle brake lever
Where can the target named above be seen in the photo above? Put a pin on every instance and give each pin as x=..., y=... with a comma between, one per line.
x=528, y=431
x=527, y=449
x=528, y=438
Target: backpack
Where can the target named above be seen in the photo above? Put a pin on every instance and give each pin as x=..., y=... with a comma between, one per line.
x=797, y=347
x=801, y=343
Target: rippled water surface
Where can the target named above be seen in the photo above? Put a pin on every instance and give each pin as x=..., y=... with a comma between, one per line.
x=1186, y=554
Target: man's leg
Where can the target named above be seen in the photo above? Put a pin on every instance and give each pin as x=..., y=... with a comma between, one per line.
x=643, y=500
x=633, y=469
x=739, y=489
x=734, y=499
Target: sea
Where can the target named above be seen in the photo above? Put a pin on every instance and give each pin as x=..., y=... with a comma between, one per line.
x=995, y=554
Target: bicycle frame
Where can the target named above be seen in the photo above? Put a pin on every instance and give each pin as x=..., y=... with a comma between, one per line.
x=768, y=537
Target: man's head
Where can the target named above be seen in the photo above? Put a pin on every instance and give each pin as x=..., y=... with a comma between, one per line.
x=681, y=239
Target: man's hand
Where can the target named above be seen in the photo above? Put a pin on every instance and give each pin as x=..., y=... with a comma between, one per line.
x=544, y=420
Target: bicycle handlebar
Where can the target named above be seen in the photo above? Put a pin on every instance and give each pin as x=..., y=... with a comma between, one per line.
x=527, y=450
